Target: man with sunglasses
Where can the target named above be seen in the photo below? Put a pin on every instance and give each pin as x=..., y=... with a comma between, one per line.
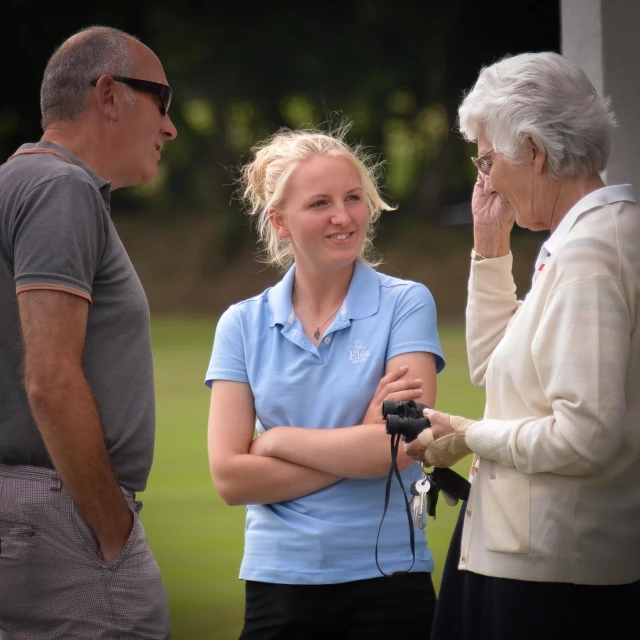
x=76, y=380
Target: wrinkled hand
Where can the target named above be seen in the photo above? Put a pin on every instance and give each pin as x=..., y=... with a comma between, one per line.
x=415, y=449
x=443, y=444
x=392, y=388
x=488, y=208
x=440, y=423
x=440, y=426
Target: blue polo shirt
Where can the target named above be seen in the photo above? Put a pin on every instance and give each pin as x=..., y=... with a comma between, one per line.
x=328, y=536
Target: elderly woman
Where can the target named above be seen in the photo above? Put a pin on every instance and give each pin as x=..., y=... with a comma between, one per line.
x=548, y=544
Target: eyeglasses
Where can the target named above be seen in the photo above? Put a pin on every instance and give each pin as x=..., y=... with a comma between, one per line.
x=482, y=164
x=163, y=91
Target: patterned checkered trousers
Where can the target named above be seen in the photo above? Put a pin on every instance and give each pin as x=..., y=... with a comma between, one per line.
x=54, y=584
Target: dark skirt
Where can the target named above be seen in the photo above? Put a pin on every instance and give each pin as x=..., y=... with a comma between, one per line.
x=476, y=607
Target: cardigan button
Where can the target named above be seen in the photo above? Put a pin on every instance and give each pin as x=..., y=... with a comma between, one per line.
x=468, y=512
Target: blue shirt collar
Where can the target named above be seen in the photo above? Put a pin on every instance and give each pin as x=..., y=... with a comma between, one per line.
x=280, y=300
x=362, y=301
x=363, y=298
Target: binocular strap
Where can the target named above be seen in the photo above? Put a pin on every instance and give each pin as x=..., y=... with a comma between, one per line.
x=395, y=443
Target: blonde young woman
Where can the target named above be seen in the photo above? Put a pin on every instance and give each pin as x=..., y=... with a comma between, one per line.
x=314, y=357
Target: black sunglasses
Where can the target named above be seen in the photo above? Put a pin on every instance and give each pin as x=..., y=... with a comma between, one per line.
x=163, y=91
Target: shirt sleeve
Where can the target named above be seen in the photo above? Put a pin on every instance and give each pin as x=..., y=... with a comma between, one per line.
x=415, y=325
x=581, y=353
x=58, y=237
x=228, y=359
x=491, y=305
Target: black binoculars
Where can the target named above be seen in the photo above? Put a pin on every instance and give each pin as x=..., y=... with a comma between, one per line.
x=405, y=418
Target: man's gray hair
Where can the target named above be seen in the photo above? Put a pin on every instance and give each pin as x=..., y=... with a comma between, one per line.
x=545, y=96
x=85, y=56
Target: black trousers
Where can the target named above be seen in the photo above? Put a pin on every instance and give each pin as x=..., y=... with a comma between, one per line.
x=477, y=607
x=380, y=608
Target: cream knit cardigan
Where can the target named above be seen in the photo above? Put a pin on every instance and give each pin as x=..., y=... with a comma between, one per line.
x=557, y=493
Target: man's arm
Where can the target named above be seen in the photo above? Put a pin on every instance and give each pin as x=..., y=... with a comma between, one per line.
x=54, y=327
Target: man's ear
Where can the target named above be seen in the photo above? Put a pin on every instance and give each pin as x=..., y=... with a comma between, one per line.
x=108, y=98
x=536, y=155
x=278, y=223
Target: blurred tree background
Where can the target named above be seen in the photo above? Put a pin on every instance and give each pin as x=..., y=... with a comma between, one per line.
x=240, y=71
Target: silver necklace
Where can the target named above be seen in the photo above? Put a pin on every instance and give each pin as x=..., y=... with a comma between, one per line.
x=316, y=333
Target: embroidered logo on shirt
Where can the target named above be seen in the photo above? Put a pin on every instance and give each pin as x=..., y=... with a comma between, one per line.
x=359, y=353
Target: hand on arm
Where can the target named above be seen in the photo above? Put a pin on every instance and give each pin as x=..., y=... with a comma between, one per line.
x=359, y=451
x=444, y=443
x=240, y=472
x=393, y=386
x=53, y=328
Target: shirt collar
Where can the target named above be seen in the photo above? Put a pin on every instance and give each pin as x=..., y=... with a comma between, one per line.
x=363, y=297
x=362, y=301
x=104, y=186
x=597, y=198
x=280, y=300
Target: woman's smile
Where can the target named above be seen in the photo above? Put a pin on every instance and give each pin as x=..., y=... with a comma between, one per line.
x=341, y=238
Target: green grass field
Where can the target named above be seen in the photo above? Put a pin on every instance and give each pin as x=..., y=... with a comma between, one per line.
x=196, y=538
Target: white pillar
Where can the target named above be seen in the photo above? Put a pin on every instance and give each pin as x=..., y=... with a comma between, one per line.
x=603, y=37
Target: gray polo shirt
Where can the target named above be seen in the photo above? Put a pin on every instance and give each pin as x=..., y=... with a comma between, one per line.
x=56, y=233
